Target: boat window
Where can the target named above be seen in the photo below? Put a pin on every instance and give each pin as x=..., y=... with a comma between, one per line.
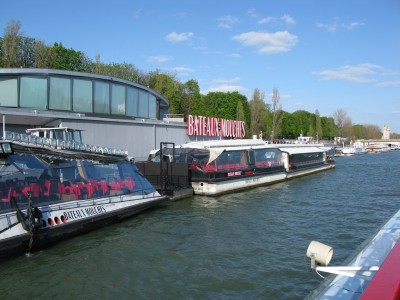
x=268, y=157
x=232, y=160
x=306, y=157
x=21, y=166
x=251, y=157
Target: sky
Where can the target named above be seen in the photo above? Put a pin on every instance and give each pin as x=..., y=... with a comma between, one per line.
x=320, y=55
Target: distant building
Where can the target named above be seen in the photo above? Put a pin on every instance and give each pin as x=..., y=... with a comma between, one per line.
x=386, y=133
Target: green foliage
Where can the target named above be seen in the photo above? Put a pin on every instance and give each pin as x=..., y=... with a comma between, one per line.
x=259, y=113
x=191, y=98
x=11, y=45
x=328, y=128
x=318, y=124
x=288, y=129
x=1, y=53
x=167, y=85
x=359, y=132
x=66, y=59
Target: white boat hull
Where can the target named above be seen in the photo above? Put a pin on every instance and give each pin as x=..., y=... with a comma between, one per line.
x=227, y=186
x=70, y=218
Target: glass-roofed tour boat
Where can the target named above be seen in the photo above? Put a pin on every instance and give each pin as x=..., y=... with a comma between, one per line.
x=52, y=188
x=223, y=166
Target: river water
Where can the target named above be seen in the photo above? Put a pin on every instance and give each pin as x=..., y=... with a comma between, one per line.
x=247, y=245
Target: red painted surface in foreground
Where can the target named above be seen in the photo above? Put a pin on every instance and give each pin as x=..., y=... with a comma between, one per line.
x=386, y=283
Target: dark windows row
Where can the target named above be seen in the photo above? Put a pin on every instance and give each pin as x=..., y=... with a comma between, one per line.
x=78, y=95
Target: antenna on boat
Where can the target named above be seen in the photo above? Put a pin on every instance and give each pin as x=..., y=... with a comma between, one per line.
x=321, y=254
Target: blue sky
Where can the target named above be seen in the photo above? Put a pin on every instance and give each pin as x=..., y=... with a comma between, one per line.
x=321, y=55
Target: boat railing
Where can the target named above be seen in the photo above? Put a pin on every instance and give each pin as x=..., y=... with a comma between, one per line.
x=60, y=144
x=82, y=203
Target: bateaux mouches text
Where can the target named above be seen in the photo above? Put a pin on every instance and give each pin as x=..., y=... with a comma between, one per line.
x=84, y=212
x=208, y=126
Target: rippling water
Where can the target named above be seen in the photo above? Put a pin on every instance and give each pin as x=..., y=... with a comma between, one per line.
x=247, y=245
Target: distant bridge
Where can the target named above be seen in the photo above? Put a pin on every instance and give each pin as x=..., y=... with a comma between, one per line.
x=379, y=142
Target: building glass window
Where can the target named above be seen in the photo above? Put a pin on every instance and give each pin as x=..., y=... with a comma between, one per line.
x=33, y=92
x=143, y=104
x=118, y=99
x=82, y=96
x=60, y=93
x=9, y=92
x=132, y=102
x=101, y=97
x=152, y=107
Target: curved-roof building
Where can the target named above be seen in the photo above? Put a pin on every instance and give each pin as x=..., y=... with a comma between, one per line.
x=89, y=94
x=110, y=112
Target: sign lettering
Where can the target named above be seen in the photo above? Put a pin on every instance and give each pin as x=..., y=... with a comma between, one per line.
x=208, y=126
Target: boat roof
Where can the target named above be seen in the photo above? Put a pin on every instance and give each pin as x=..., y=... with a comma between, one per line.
x=301, y=149
x=238, y=144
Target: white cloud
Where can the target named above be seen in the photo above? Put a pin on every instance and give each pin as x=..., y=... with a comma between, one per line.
x=174, y=37
x=225, y=81
x=252, y=13
x=336, y=25
x=388, y=83
x=267, y=20
x=137, y=13
x=182, y=69
x=158, y=58
x=227, y=21
x=235, y=55
x=268, y=43
x=362, y=73
x=225, y=88
x=288, y=20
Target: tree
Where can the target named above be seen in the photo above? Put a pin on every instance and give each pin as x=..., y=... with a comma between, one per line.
x=328, y=128
x=11, y=42
x=258, y=111
x=166, y=85
x=276, y=113
x=343, y=123
x=372, y=132
x=288, y=129
x=301, y=121
x=67, y=59
x=241, y=115
x=42, y=54
x=318, y=125
x=190, y=97
x=359, y=132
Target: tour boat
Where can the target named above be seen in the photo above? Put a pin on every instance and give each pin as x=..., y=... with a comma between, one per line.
x=52, y=189
x=223, y=166
x=352, y=150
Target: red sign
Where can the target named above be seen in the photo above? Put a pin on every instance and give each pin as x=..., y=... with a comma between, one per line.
x=208, y=126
